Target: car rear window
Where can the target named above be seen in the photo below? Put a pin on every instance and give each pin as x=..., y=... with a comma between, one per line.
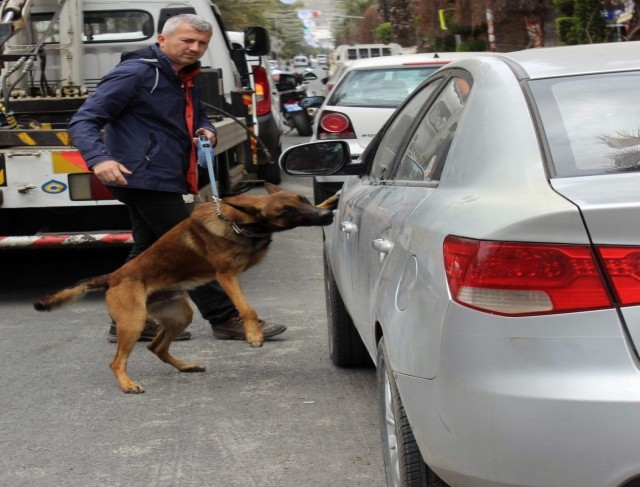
x=592, y=123
x=382, y=87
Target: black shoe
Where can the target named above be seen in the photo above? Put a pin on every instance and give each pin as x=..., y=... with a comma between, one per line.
x=233, y=328
x=148, y=334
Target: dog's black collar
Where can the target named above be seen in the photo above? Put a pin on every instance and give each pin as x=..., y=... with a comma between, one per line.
x=236, y=228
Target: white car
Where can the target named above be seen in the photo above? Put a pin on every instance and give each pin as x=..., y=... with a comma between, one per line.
x=364, y=97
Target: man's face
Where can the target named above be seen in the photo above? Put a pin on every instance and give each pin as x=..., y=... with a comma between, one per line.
x=184, y=46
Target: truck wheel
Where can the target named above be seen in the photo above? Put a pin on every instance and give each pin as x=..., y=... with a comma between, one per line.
x=345, y=345
x=403, y=463
x=322, y=191
x=270, y=173
x=302, y=123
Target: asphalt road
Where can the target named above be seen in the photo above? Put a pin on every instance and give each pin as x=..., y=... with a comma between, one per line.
x=279, y=416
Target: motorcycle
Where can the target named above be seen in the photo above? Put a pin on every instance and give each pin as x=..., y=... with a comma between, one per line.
x=294, y=115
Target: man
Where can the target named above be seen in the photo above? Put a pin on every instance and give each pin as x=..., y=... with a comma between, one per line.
x=150, y=109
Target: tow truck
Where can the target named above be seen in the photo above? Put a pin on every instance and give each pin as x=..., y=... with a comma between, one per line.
x=53, y=54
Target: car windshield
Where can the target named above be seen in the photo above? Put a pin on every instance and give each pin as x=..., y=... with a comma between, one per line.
x=592, y=123
x=382, y=87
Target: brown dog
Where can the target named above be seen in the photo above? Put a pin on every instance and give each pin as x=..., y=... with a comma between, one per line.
x=218, y=241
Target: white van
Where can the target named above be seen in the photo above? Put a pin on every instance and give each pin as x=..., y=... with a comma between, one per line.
x=300, y=61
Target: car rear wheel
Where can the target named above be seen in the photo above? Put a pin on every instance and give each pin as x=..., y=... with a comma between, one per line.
x=403, y=463
x=345, y=345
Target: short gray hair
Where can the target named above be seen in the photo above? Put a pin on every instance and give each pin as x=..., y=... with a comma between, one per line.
x=195, y=21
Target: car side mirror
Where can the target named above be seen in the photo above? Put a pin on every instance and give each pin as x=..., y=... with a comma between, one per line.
x=286, y=81
x=256, y=41
x=316, y=158
x=311, y=101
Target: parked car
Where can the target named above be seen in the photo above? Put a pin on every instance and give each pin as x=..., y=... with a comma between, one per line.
x=322, y=60
x=267, y=112
x=364, y=97
x=485, y=255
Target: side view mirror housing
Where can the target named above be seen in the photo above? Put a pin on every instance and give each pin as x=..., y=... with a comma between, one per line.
x=256, y=41
x=316, y=158
x=286, y=82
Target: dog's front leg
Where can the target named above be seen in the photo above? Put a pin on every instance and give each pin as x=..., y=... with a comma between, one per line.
x=231, y=286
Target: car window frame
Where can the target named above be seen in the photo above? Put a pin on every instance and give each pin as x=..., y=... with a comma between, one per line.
x=437, y=158
x=369, y=153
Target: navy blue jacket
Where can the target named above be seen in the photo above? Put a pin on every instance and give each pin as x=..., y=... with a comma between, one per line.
x=141, y=106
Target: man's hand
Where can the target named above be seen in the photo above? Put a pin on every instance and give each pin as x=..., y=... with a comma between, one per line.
x=210, y=135
x=111, y=172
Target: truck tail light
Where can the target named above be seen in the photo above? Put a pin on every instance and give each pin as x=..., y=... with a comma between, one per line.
x=87, y=187
x=512, y=278
x=261, y=87
x=334, y=125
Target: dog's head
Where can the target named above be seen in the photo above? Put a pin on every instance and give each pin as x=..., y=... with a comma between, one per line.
x=282, y=210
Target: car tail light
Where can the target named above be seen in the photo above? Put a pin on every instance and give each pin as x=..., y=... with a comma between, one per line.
x=333, y=125
x=261, y=87
x=623, y=268
x=510, y=278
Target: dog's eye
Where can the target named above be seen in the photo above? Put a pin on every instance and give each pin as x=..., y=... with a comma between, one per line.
x=304, y=199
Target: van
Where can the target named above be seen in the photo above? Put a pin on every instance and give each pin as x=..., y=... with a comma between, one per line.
x=300, y=61
x=346, y=53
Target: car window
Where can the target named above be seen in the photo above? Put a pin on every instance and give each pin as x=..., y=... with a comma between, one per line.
x=380, y=87
x=429, y=145
x=591, y=123
x=396, y=129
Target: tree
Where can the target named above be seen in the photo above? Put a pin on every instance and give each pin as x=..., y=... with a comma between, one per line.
x=384, y=33
x=401, y=17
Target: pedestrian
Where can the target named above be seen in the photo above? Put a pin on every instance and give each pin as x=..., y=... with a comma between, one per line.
x=150, y=109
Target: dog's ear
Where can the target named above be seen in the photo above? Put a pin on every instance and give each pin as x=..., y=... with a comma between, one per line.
x=271, y=188
x=330, y=203
x=249, y=210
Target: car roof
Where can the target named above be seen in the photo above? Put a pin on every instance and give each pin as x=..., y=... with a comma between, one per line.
x=408, y=59
x=550, y=62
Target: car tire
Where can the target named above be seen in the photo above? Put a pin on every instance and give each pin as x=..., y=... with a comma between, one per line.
x=346, y=348
x=301, y=122
x=322, y=191
x=403, y=463
x=270, y=172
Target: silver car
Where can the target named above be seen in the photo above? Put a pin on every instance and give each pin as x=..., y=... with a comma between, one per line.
x=486, y=256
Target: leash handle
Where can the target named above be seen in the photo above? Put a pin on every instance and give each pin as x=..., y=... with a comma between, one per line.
x=206, y=157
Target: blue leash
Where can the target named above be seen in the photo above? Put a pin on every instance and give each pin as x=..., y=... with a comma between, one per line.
x=206, y=157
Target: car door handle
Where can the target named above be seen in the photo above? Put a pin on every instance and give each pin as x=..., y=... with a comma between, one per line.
x=348, y=227
x=382, y=245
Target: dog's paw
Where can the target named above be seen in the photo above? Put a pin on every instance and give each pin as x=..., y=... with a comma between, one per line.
x=133, y=388
x=255, y=340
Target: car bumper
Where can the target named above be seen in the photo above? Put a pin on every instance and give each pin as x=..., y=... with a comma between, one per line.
x=533, y=409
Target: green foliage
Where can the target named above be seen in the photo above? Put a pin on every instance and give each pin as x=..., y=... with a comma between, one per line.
x=474, y=45
x=567, y=28
x=591, y=26
x=384, y=33
x=565, y=7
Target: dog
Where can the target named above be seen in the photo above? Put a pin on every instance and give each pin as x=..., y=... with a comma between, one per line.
x=219, y=240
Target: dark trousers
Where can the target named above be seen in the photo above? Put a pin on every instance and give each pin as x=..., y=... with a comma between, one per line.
x=152, y=214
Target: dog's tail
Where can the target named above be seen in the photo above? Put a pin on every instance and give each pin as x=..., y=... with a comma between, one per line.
x=71, y=294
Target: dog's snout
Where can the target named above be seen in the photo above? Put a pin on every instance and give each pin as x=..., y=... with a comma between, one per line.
x=326, y=217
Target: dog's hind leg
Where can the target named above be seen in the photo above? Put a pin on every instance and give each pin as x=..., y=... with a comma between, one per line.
x=127, y=306
x=173, y=316
x=231, y=286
